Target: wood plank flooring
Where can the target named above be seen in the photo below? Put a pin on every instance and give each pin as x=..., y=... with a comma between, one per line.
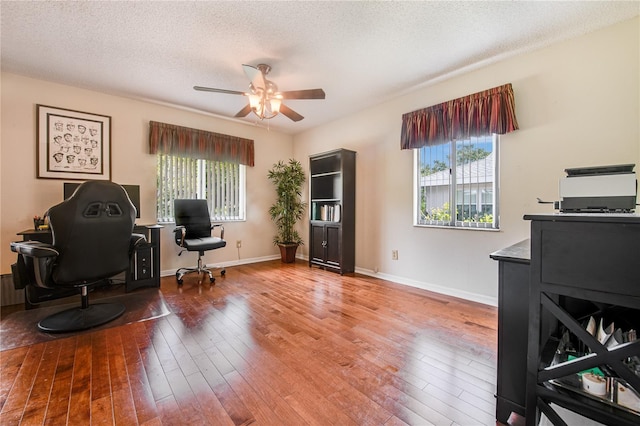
x=269, y=344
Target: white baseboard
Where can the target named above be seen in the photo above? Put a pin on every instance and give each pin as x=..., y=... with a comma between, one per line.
x=460, y=294
x=473, y=297
x=247, y=261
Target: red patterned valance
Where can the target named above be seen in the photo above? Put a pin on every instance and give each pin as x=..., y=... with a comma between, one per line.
x=480, y=114
x=184, y=141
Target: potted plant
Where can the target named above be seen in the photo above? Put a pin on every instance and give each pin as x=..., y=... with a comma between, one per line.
x=288, y=209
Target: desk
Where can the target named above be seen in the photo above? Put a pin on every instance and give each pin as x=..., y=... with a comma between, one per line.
x=144, y=270
x=43, y=236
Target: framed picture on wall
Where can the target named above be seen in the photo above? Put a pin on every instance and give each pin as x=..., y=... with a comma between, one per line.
x=73, y=144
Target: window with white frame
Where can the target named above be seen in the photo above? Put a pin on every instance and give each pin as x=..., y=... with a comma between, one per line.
x=222, y=184
x=457, y=183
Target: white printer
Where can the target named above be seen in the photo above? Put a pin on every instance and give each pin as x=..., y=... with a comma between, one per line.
x=602, y=189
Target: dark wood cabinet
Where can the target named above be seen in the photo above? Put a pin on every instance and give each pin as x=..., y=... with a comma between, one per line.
x=584, y=267
x=514, y=276
x=332, y=210
x=513, y=327
x=325, y=245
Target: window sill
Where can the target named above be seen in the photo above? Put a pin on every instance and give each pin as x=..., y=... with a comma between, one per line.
x=462, y=228
x=172, y=222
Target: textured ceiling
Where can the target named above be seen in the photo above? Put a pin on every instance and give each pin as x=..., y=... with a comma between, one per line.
x=360, y=53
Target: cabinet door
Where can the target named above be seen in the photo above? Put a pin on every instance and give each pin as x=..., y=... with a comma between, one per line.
x=332, y=237
x=317, y=244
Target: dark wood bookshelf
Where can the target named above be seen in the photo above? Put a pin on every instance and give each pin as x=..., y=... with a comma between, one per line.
x=332, y=210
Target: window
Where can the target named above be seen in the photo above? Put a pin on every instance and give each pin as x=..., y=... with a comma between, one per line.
x=467, y=198
x=222, y=184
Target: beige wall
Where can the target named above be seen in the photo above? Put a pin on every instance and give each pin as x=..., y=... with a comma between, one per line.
x=577, y=105
x=23, y=195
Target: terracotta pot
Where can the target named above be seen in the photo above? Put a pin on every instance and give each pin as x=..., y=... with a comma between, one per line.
x=288, y=252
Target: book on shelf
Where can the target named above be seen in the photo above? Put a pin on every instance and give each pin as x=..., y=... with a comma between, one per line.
x=324, y=212
x=336, y=213
x=329, y=212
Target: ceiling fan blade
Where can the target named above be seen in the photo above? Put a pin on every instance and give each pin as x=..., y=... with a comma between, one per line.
x=211, y=89
x=244, y=111
x=288, y=112
x=255, y=76
x=303, y=94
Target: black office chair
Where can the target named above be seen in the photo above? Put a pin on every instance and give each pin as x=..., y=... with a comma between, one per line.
x=193, y=233
x=92, y=242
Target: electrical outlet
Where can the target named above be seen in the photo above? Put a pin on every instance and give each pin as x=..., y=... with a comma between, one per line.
x=394, y=254
x=239, y=244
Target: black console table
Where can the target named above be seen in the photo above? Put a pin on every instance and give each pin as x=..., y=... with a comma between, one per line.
x=144, y=270
x=583, y=266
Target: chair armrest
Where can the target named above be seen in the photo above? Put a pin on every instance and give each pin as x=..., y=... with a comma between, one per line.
x=179, y=233
x=36, y=260
x=219, y=225
x=34, y=249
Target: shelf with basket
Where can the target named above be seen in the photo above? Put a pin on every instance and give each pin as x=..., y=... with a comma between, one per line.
x=597, y=354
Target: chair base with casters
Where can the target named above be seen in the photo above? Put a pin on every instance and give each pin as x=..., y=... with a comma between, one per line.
x=180, y=273
x=83, y=317
x=35, y=260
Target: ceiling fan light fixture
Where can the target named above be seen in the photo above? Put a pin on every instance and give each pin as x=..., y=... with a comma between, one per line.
x=254, y=102
x=275, y=105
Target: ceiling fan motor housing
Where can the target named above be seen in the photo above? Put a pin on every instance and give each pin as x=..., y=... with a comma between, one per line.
x=264, y=68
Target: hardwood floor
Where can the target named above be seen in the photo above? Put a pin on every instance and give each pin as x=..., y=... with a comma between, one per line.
x=269, y=344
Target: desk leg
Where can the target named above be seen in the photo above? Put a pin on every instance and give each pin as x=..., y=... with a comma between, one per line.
x=154, y=234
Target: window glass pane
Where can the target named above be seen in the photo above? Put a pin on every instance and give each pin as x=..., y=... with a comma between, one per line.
x=474, y=174
x=466, y=198
x=434, y=185
x=221, y=184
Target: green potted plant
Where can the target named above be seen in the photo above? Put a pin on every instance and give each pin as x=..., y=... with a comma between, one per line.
x=288, y=209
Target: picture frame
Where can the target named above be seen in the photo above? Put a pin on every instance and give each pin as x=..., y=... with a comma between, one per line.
x=72, y=145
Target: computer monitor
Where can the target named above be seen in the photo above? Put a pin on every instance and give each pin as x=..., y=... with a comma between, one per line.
x=132, y=190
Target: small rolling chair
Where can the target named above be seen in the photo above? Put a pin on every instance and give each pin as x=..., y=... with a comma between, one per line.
x=92, y=242
x=193, y=233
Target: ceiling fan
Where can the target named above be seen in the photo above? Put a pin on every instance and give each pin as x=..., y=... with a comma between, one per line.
x=265, y=100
